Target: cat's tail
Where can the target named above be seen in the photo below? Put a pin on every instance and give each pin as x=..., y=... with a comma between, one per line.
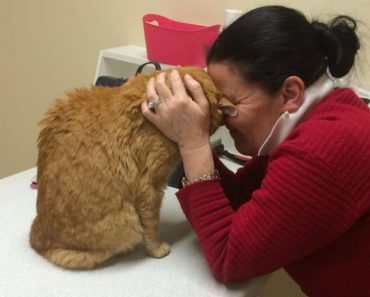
x=62, y=257
x=115, y=234
x=72, y=259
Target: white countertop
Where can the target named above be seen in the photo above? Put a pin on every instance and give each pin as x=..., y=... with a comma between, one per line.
x=183, y=272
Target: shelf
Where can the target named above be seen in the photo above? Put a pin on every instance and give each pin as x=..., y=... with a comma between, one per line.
x=122, y=61
x=130, y=53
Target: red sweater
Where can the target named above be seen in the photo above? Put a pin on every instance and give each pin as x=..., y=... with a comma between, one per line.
x=306, y=207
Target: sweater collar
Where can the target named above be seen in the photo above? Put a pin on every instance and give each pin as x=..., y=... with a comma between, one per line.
x=287, y=121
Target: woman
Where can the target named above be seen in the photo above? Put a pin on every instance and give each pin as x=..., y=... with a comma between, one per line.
x=303, y=200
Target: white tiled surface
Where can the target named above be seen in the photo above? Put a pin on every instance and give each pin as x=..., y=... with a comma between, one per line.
x=183, y=272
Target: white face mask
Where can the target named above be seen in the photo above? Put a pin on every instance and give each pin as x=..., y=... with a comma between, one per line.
x=287, y=121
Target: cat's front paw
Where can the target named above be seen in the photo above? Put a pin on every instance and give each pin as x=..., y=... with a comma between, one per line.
x=159, y=251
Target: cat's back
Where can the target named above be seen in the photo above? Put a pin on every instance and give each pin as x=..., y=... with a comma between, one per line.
x=96, y=130
x=80, y=146
x=85, y=117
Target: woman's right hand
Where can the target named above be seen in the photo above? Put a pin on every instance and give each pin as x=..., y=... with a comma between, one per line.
x=182, y=119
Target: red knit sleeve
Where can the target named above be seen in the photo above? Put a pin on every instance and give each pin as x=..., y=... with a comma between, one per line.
x=238, y=187
x=300, y=207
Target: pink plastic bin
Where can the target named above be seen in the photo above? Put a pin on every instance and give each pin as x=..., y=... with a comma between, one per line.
x=177, y=43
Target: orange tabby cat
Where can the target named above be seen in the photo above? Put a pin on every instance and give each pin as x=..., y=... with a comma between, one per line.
x=102, y=171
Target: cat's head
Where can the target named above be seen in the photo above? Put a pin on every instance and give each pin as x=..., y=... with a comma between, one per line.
x=219, y=104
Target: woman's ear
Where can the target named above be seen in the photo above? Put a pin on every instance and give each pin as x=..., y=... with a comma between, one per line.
x=292, y=92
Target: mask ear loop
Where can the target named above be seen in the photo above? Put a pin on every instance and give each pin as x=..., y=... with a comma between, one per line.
x=332, y=78
x=338, y=82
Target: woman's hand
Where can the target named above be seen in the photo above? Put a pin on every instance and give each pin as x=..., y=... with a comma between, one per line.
x=181, y=119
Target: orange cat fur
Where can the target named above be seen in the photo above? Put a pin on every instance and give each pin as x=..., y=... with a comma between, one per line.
x=102, y=171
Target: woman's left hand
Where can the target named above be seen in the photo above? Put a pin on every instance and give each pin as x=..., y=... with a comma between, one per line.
x=182, y=119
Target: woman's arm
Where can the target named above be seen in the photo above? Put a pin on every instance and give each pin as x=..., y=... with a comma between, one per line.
x=239, y=186
x=285, y=220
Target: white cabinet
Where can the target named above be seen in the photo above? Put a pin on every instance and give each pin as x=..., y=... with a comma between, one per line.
x=122, y=61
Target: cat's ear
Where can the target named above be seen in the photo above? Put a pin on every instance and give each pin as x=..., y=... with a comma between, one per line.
x=227, y=108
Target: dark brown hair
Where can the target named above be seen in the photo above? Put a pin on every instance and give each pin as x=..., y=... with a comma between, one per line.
x=268, y=44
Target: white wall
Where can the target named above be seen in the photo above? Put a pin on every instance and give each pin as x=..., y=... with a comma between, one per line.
x=50, y=46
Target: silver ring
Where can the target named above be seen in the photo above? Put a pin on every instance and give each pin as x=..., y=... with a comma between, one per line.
x=154, y=103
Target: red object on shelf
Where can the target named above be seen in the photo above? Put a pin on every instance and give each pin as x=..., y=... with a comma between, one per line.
x=177, y=43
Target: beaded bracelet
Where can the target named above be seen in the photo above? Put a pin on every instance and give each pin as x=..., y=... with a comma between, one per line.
x=209, y=176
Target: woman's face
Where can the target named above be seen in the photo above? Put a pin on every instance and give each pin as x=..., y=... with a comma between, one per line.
x=257, y=110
